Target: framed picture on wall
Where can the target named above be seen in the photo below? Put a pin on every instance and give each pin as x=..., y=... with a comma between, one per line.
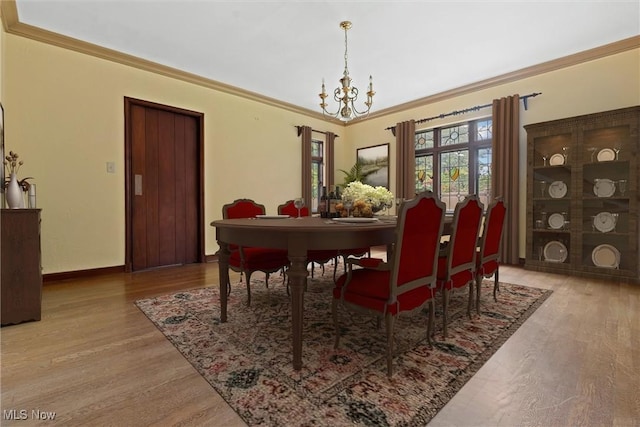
x=2, y=151
x=374, y=162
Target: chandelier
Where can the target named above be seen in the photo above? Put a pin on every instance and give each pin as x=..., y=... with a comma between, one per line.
x=346, y=95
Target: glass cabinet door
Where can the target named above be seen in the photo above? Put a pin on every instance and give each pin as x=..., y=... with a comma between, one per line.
x=606, y=175
x=552, y=186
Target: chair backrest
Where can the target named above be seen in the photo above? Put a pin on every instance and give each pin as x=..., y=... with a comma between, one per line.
x=491, y=239
x=415, y=256
x=464, y=235
x=242, y=208
x=288, y=208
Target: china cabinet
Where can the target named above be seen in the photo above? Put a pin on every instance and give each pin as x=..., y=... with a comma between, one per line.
x=21, y=270
x=582, y=195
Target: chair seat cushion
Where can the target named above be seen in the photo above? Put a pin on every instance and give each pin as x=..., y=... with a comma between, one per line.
x=370, y=289
x=259, y=259
x=321, y=255
x=355, y=251
x=488, y=268
x=458, y=280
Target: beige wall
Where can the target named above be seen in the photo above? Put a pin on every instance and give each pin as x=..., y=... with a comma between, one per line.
x=603, y=84
x=65, y=118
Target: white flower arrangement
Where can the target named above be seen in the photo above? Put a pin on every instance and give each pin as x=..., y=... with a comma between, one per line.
x=378, y=197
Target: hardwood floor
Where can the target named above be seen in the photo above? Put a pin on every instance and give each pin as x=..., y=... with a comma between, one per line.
x=95, y=359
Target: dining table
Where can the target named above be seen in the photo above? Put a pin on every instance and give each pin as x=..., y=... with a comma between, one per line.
x=297, y=236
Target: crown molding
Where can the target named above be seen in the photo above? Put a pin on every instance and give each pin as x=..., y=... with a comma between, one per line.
x=13, y=26
x=545, y=67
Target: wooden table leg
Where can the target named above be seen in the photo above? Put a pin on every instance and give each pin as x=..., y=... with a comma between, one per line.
x=223, y=274
x=297, y=282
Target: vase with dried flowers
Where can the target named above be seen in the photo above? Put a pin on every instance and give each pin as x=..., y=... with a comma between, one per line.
x=14, y=187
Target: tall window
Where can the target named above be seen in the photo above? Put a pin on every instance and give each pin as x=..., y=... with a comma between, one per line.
x=455, y=161
x=317, y=173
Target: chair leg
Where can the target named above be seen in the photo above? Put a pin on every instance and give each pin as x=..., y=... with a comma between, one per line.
x=390, y=320
x=266, y=280
x=335, y=268
x=445, y=306
x=432, y=308
x=496, y=285
x=334, y=313
x=249, y=288
x=471, y=299
x=478, y=287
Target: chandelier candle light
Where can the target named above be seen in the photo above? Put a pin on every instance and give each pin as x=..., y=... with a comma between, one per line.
x=346, y=95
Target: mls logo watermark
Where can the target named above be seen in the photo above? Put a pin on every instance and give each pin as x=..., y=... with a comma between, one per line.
x=25, y=414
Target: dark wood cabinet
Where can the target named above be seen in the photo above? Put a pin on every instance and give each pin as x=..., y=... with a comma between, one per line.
x=582, y=195
x=21, y=273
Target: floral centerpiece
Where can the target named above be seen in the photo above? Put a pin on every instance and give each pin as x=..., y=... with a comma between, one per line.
x=362, y=200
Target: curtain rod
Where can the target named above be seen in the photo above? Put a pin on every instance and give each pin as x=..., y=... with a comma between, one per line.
x=524, y=99
x=313, y=130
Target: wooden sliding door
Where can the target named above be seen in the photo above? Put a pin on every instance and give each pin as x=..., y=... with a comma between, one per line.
x=164, y=194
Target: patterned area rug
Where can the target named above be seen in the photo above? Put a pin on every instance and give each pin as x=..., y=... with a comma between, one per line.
x=248, y=359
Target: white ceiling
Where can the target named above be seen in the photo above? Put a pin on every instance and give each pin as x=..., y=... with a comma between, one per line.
x=283, y=49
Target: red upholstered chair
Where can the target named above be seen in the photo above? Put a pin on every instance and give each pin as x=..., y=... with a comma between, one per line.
x=316, y=256
x=407, y=282
x=488, y=257
x=457, y=261
x=249, y=259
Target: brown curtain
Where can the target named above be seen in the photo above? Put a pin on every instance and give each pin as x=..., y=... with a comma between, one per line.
x=504, y=176
x=306, y=165
x=405, y=159
x=328, y=160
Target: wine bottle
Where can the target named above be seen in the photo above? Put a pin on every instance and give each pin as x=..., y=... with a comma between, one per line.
x=338, y=200
x=332, y=205
x=322, y=206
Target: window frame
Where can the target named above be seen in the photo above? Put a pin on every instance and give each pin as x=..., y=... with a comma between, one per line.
x=473, y=146
x=319, y=161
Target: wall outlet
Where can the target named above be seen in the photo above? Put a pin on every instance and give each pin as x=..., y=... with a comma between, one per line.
x=111, y=167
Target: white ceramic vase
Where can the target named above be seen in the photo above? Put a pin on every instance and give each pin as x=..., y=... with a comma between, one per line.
x=13, y=193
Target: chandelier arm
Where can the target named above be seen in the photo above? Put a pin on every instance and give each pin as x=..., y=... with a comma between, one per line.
x=327, y=113
x=353, y=106
x=360, y=113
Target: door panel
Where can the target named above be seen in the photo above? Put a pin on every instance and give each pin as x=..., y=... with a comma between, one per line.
x=165, y=219
x=138, y=202
x=166, y=188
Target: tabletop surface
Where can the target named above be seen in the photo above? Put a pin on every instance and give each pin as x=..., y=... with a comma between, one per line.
x=310, y=224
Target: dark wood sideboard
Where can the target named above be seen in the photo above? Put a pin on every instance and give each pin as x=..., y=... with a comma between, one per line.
x=21, y=276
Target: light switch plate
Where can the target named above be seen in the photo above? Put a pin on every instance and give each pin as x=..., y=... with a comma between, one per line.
x=111, y=167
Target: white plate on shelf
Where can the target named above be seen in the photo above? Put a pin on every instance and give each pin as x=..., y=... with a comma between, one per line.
x=604, y=222
x=606, y=256
x=604, y=188
x=555, y=251
x=355, y=219
x=556, y=221
x=272, y=216
x=556, y=160
x=606, y=155
x=557, y=189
